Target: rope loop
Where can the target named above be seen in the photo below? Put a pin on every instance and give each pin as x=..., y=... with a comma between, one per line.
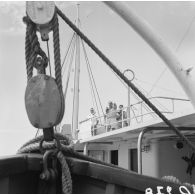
x=56, y=144
x=32, y=47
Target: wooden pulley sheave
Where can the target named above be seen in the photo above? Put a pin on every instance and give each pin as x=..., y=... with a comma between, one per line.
x=44, y=98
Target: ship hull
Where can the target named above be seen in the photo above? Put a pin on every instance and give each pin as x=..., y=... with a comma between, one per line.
x=21, y=174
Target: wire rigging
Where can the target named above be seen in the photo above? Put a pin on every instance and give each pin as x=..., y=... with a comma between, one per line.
x=92, y=88
x=176, y=49
x=91, y=73
x=145, y=92
x=69, y=54
x=69, y=69
x=90, y=70
x=185, y=34
x=68, y=48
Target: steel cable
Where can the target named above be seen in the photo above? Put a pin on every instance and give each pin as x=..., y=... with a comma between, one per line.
x=87, y=61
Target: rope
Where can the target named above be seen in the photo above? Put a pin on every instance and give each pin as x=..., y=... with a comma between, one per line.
x=66, y=176
x=29, y=67
x=129, y=83
x=66, y=149
x=57, y=60
x=34, y=146
x=57, y=57
x=32, y=48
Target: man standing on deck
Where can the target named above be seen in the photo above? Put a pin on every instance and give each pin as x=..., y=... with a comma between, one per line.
x=94, y=121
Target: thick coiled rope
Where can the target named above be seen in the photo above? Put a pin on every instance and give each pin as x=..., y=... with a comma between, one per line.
x=66, y=175
x=67, y=148
x=33, y=146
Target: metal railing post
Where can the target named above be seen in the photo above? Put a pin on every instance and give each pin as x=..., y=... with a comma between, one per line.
x=85, y=149
x=139, y=150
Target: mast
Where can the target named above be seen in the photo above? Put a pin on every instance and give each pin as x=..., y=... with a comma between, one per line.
x=75, y=114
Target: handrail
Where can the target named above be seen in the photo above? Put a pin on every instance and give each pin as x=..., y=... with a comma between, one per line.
x=162, y=97
x=139, y=102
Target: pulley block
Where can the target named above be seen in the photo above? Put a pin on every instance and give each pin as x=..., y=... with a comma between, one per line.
x=41, y=13
x=43, y=101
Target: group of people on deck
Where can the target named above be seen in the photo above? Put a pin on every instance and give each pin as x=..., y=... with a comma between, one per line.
x=113, y=119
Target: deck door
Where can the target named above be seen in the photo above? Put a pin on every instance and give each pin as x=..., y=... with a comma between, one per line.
x=114, y=157
x=133, y=160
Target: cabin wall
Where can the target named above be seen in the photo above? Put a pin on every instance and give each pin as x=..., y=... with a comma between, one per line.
x=150, y=160
x=161, y=159
x=171, y=162
x=123, y=155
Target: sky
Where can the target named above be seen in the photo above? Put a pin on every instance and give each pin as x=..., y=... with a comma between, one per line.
x=174, y=21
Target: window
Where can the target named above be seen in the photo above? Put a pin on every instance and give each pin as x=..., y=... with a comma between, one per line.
x=114, y=157
x=133, y=160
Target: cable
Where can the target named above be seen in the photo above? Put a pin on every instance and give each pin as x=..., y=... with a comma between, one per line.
x=165, y=89
x=157, y=80
x=87, y=60
x=185, y=34
x=177, y=48
x=91, y=83
x=90, y=71
x=93, y=93
x=67, y=51
x=71, y=48
x=145, y=92
x=69, y=70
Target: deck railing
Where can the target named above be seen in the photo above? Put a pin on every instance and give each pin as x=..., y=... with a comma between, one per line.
x=136, y=113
